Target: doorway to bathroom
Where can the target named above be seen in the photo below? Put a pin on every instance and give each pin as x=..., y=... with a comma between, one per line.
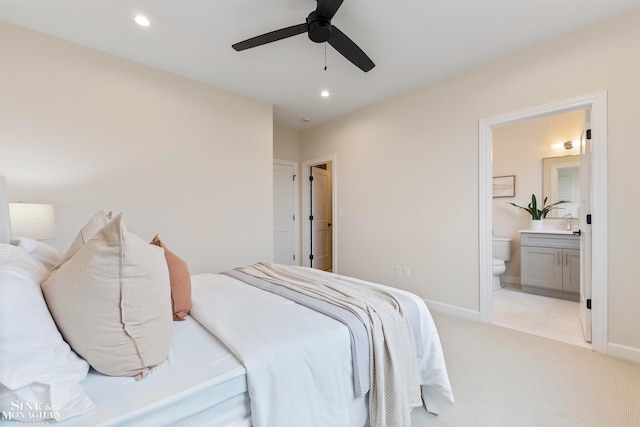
x=524, y=185
x=550, y=308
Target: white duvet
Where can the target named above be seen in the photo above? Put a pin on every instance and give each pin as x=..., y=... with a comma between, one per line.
x=298, y=361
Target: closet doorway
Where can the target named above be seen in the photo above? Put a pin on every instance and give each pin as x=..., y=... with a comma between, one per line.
x=285, y=213
x=319, y=227
x=597, y=103
x=320, y=220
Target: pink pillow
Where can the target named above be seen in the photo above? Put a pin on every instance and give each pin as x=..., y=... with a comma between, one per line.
x=180, y=282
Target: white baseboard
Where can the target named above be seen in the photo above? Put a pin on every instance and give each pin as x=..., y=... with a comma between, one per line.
x=453, y=310
x=614, y=350
x=624, y=352
x=515, y=280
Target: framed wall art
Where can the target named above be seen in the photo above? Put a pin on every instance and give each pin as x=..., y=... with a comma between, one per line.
x=504, y=186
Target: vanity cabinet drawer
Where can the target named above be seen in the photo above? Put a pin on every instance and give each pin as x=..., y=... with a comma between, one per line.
x=562, y=241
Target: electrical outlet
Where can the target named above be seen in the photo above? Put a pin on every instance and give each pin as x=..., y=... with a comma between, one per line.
x=406, y=273
x=397, y=271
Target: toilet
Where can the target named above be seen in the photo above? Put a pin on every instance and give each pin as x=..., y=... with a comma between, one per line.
x=501, y=252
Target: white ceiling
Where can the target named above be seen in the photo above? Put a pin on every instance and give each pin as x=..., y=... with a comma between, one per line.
x=411, y=42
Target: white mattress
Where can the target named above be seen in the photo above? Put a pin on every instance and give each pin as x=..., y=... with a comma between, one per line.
x=201, y=380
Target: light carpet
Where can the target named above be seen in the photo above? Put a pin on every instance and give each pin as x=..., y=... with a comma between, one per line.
x=501, y=377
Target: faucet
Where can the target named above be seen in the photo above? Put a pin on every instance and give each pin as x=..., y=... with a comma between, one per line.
x=567, y=219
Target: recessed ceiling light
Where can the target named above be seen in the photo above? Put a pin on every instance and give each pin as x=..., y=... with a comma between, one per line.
x=306, y=119
x=324, y=93
x=142, y=20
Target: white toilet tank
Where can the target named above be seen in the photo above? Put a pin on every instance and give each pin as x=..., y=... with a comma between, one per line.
x=501, y=248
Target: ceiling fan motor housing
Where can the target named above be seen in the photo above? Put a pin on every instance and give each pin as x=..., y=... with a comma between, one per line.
x=319, y=28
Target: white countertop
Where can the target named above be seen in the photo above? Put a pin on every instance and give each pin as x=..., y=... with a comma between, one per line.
x=568, y=232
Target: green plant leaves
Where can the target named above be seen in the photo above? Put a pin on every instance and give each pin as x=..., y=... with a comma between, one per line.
x=532, y=208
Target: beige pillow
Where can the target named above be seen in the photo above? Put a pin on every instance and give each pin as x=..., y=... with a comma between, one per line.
x=112, y=302
x=180, y=282
x=95, y=224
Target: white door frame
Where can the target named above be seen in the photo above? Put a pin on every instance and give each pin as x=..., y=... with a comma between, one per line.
x=296, y=204
x=597, y=102
x=306, y=209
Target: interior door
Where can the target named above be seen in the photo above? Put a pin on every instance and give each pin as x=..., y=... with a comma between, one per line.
x=320, y=220
x=283, y=214
x=585, y=227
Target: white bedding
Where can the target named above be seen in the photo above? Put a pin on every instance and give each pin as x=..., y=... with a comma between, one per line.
x=298, y=361
x=203, y=384
x=199, y=374
x=299, y=371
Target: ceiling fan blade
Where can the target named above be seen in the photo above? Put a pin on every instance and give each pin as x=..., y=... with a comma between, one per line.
x=273, y=36
x=350, y=50
x=328, y=8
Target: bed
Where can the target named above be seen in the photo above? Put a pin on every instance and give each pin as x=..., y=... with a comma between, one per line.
x=250, y=352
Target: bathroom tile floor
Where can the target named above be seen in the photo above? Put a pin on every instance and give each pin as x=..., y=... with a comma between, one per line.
x=551, y=318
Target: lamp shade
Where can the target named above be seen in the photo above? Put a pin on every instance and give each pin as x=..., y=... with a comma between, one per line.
x=5, y=227
x=36, y=221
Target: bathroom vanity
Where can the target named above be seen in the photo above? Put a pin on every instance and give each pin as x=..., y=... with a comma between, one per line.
x=550, y=263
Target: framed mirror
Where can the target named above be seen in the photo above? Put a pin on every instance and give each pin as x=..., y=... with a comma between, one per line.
x=561, y=181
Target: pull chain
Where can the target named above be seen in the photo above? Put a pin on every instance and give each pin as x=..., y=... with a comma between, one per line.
x=325, y=56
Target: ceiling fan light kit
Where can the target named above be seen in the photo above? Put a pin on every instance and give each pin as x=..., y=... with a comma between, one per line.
x=319, y=30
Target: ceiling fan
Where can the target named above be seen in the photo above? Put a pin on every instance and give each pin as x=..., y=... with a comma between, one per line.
x=319, y=29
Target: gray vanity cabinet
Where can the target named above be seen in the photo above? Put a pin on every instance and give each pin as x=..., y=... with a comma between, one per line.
x=550, y=264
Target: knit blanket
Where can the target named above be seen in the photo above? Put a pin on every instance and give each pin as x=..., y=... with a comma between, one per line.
x=395, y=387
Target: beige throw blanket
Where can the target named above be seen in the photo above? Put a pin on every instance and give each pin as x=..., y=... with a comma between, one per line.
x=395, y=387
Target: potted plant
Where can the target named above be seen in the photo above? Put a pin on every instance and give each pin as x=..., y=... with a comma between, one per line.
x=537, y=214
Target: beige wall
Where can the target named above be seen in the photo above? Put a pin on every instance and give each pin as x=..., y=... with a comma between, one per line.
x=518, y=150
x=408, y=167
x=286, y=143
x=88, y=131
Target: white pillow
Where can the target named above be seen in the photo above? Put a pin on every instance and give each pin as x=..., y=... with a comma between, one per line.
x=46, y=254
x=112, y=302
x=36, y=366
